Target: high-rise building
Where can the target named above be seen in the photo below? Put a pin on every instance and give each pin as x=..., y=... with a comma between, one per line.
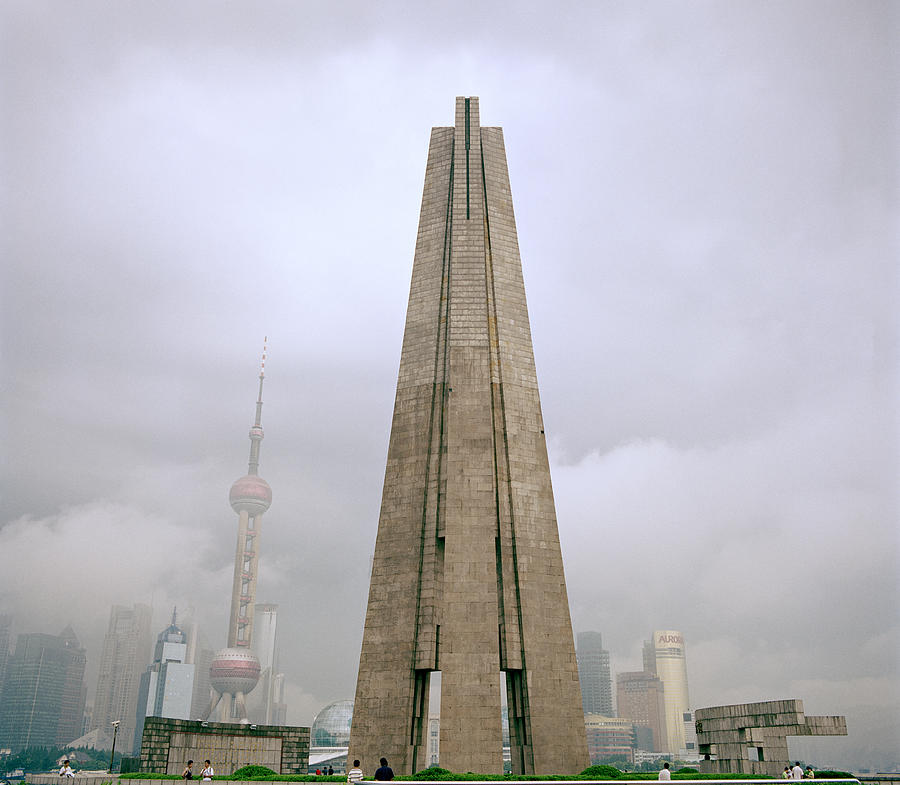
x=609, y=737
x=279, y=706
x=199, y=654
x=167, y=686
x=126, y=653
x=639, y=698
x=664, y=657
x=593, y=673
x=5, y=626
x=467, y=576
x=43, y=692
x=235, y=670
x=261, y=705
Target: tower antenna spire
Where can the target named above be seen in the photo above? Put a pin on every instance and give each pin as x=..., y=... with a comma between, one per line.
x=256, y=432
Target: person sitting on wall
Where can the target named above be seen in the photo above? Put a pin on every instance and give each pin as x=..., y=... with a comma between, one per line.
x=664, y=773
x=355, y=774
x=384, y=773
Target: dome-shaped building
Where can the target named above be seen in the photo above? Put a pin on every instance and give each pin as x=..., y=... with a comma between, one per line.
x=331, y=727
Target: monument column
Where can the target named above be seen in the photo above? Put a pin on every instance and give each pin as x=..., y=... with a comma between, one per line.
x=467, y=576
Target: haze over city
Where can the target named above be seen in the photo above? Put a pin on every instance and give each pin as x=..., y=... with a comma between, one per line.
x=706, y=203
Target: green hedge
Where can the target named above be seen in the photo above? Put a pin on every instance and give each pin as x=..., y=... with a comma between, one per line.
x=252, y=772
x=149, y=775
x=601, y=772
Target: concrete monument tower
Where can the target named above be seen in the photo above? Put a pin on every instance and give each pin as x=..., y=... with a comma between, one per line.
x=235, y=670
x=467, y=577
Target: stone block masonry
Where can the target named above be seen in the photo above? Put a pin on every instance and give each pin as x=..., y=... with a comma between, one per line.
x=167, y=745
x=751, y=738
x=467, y=577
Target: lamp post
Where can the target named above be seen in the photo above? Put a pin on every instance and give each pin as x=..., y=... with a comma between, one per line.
x=112, y=752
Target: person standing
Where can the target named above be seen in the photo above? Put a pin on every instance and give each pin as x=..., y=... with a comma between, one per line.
x=188, y=773
x=330, y=771
x=797, y=772
x=355, y=774
x=385, y=773
x=786, y=774
x=207, y=774
x=664, y=773
x=810, y=774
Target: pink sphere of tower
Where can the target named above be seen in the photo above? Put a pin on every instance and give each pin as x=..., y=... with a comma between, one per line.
x=233, y=671
x=251, y=493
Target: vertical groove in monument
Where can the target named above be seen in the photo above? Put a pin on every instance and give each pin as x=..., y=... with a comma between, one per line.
x=467, y=575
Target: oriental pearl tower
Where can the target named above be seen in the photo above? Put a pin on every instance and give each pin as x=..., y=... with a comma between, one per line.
x=235, y=670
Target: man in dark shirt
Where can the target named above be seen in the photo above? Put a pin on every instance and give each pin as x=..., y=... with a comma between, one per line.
x=385, y=772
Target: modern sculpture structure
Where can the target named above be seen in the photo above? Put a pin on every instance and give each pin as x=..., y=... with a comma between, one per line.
x=467, y=577
x=235, y=670
x=751, y=738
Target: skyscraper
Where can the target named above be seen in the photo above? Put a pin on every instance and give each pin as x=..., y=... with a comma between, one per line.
x=235, y=670
x=279, y=705
x=262, y=707
x=664, y=657
x=167, y=686
x=43, y=693
x=640, y=698
x=467, y=575
x=199, y=654
x=126, y=653
x=593, y=673
x=5, y=625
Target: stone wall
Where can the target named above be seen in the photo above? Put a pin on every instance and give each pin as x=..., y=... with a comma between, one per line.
x=168, y=744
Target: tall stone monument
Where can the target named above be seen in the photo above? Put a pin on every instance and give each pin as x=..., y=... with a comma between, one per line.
x=467, y=577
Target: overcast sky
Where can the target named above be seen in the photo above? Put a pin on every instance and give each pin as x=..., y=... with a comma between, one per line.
x=706, y=197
